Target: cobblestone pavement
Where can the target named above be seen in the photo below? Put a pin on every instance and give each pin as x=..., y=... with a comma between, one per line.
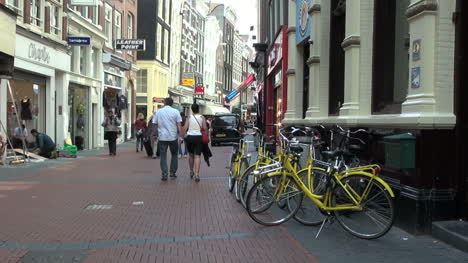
x=116, y=209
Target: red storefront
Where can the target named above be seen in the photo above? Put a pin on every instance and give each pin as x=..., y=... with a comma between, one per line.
x=277, y=84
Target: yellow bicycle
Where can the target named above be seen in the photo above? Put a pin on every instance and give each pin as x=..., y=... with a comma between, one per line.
x=358, y=198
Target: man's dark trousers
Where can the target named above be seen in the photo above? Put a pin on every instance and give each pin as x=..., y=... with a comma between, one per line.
x=173, y=147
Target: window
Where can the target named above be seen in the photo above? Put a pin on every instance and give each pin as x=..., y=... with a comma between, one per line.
x=166, y=46
x=118, y=25
x=391, y=56
x=55, y=19
x=36, y=12
x=142, y=81
x=160, y=8
x=83, y=62
x=130, y=26
x=95, y=14
x=159, y=33
x=16, y=5
x=108, y=24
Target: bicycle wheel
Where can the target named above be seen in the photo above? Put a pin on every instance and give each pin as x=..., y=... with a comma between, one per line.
x=309, y=213
x=263, y=202
x=246, y=181
x=377, y=214
x=244, y=164
x=231, y=174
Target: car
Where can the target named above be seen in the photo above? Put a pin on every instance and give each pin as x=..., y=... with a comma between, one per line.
x=224, y=129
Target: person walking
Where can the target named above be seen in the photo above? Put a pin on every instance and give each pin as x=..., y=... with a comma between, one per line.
x=193, y=127
x=111, y=129
x=182, y=153
x=166, y=122
x=140, y=128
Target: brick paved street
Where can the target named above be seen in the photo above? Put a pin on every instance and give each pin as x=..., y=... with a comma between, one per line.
x=105, y=209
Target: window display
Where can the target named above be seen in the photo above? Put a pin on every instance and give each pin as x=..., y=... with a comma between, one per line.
x=29, y=104
x=78, y=109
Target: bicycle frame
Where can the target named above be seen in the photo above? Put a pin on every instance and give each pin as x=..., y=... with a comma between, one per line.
x=324, y=202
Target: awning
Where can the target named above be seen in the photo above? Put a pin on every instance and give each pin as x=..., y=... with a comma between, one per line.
x=213, y=110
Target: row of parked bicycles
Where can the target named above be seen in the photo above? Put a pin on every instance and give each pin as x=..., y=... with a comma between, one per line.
x=314, y=175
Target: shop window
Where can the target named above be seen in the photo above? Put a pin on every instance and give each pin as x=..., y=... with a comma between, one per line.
x=391, y=56
x=36, y=12
x=142, y=81
x=16, y=5
x=78, y=113
x=108, y=25
x=337, y=56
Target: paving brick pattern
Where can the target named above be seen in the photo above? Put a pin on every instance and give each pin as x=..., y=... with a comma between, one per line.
x=179, y=220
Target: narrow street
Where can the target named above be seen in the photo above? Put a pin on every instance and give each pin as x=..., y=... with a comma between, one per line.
x=117, y=209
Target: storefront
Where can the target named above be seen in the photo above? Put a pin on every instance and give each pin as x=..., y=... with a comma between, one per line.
x=116, y=92
x=40, y=66
x=277, y=85
x=78, y=108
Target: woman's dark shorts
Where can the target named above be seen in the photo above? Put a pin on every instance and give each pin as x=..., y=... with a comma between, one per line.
x=194, y=144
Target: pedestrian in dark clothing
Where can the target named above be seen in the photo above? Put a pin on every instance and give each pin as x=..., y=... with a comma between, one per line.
x=111, y=129
x=140, y=128
x=45, y=144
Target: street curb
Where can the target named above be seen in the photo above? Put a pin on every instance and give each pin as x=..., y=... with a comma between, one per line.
x=447, y=232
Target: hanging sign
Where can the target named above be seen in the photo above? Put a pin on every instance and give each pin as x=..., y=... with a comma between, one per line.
x=130, y=44
x=78, y=41
x=416, y=50
x=416, y=77
x=303, y=20
x=199, y=90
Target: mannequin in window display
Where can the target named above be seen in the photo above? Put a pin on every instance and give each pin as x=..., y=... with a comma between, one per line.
x=26, y=113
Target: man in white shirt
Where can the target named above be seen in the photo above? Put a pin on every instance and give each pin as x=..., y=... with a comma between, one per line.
x=19, y=134
x=166, y=123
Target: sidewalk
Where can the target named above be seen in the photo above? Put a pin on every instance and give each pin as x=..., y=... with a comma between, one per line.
x=116, y=209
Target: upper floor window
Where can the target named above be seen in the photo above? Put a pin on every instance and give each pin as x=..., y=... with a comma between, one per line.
x=16, y=5
x=55, y=19
x=118, y=25
x=108, y=24
x=130, y=26
x=142, y=81
x=36, y=12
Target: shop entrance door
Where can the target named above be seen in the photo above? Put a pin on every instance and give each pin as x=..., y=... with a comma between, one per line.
x=94, y=124
x=79, y=111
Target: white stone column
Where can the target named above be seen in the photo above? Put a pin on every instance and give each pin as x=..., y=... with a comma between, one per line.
x=324, y=51
x=291, y=111
x=76, y=59
x=100, y=90
x=422, y=17
x=50, y=107
x=313, y=61
x=351, y=45
x=62, y=116
x=366, y=56
x=3, y=104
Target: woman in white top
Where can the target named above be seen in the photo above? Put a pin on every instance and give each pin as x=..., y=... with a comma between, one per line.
x=193, y=126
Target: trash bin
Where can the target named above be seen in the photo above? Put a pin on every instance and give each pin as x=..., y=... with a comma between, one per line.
x=400, y=151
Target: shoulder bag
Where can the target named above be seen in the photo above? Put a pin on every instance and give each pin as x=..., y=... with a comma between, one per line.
x=205, y=139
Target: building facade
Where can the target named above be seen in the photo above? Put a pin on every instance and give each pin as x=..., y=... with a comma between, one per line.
x=213, y=40
x=154, y=63
x=388, y=67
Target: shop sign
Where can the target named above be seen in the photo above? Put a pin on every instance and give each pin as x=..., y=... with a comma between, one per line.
x=416, y=77
x=30, y=50
x=158, y=100
x=188, y=79
x=199, y=90
x=130, y=44
x=276, y=52
x=38, y=53
x=416, y=50
x=303, y=20
x=79, y=41
x=84, y=2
